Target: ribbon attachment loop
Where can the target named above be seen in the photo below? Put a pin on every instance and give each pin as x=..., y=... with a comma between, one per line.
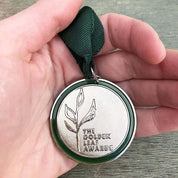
x=84, y=37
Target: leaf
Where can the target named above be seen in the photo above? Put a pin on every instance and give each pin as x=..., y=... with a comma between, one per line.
x=70, y=114
x=69, y=127
x=80, y=98
x=90, y=115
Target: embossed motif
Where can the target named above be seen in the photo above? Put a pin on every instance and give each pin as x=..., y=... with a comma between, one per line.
x=74, y=115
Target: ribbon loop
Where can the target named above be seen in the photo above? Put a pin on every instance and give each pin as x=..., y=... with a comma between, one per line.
x=84, y=38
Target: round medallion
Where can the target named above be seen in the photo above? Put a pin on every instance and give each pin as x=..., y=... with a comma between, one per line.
x=93, y=121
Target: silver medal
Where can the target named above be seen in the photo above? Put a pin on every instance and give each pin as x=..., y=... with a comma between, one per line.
x=93, y=121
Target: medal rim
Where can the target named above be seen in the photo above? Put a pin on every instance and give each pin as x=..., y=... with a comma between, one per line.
x=98, y=160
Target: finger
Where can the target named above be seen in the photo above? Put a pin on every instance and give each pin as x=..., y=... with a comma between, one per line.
x=155, y=121
x=152, y=92
x=122, y=65
x=132, y=35
x=35, y=26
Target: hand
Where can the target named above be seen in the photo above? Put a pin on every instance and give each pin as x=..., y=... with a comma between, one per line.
x=36, y=66
x=33, y=71
x=143, y=69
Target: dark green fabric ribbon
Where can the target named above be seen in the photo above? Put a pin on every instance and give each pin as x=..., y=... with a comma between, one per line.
x=84, y=38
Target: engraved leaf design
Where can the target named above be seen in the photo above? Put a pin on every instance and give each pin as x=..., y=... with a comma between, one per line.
x=70, y=114
x=80, y=98
x=90, y=115
x=69, y=127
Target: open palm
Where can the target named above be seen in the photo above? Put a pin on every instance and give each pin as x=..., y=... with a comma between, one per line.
x=36, y=66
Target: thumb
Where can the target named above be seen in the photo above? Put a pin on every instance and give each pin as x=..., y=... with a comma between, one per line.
x=30, y=29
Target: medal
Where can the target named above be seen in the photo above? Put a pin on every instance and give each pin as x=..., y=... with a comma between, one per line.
x=93, y=121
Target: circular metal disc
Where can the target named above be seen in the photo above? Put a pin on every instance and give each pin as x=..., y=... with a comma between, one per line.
x=93, y=121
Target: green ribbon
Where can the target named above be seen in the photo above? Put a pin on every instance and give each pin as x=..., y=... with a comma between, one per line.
x=84, y=38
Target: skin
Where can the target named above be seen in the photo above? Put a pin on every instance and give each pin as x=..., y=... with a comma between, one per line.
x=35, y=66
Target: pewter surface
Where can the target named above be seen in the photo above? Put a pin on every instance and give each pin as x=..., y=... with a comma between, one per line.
x=93, y=121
